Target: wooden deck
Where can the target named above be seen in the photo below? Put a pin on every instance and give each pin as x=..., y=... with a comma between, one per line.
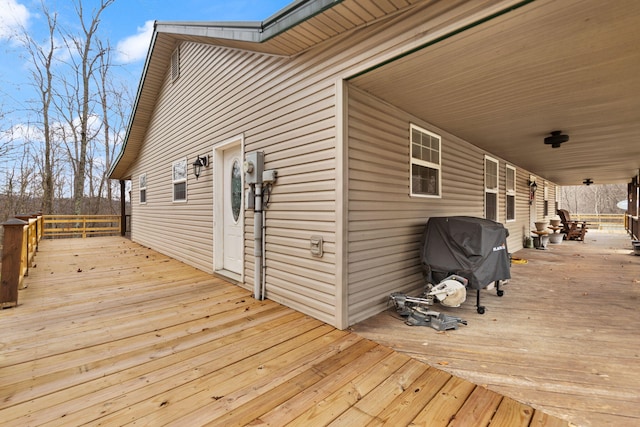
x=565, y=338
x=112, y=333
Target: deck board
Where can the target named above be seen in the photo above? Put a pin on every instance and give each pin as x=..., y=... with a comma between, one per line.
x=111, y=333
x=564, y=337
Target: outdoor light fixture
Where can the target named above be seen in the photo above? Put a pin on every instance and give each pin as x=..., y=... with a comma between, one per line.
x=199, y=163
x=587, y=181
x=533, y=187
x=556, y=139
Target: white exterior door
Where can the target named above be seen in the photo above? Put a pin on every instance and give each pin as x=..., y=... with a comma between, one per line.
x=232, y=236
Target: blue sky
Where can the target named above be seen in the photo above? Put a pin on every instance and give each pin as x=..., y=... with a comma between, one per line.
x=126, y=23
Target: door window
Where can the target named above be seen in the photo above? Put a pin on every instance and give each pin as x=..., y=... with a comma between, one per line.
x=236, y=190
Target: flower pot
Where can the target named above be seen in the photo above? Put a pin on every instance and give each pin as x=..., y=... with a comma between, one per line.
x=555, y=222
x=556, y=238
x=541, y=225
x=528, y=242
x=540, y=242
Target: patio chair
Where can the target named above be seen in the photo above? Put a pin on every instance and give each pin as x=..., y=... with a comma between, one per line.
x=573, y=230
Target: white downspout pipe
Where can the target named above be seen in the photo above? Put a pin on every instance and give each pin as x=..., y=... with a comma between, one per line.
x=264, y=255
x=257, y=248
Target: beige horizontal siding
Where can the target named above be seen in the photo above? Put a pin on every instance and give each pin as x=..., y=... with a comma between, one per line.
x=385, y=223
x=221, y=93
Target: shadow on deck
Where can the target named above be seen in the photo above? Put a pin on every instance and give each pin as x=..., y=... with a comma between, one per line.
x=111, y=333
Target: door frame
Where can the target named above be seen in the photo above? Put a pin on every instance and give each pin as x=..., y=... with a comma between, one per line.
x=218, y=206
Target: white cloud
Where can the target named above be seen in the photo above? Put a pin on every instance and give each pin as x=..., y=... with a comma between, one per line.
x=28, y=132
x=21, y=132
x=134, y=48
x=13, y=17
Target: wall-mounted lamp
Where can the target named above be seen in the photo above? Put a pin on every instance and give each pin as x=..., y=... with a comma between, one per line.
x=587, y=181
x=556, y=139
x=199, y=163
x=533, y=187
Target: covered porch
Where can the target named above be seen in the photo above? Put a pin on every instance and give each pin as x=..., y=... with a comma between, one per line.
x=563, y=338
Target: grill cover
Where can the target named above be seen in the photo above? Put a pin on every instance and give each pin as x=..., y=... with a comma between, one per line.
x=474, y=248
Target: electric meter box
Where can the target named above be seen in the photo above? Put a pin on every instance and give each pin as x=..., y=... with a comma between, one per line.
x=253, y=167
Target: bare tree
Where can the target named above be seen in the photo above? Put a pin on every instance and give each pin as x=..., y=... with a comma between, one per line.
x=593, y=199
x=103, y=80
x=42, y=61
x=18, y=191
x=79, y=93
x=6, y=134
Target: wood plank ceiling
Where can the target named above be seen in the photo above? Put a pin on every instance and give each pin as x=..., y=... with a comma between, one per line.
x=505, y=84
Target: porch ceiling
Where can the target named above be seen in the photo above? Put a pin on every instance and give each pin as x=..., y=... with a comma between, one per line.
x=507, y=83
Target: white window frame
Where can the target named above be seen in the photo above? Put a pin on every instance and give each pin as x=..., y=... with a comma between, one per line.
x=491, y=189
x=179, y=172
x=427, y=164
x=510, y=192
x=142, y=186
x=545, y=202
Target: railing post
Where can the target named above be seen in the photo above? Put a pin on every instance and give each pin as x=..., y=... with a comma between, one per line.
x=40, y=227
x=28, y=241
x=12, y=250
x=123, y=211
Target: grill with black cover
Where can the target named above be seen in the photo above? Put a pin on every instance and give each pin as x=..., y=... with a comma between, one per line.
x=473, y=248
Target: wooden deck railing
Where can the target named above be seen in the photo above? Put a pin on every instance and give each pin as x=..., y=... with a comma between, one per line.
x=20, y=243
x=65, y=226
x=602, y=221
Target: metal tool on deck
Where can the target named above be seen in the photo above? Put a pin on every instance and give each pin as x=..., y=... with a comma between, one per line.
x=438, y=321
x=450, y=292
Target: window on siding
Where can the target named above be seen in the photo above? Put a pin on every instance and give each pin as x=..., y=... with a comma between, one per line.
x=425, y=163
x=510, y=193
x=490, y=188
x=546, y=200
x=143, y=188
x=175, y=64
x=179, y=174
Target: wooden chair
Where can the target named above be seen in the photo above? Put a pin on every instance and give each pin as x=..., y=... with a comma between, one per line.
x=573, y=230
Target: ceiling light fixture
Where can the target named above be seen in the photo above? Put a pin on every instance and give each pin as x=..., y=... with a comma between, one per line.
x=556, y=139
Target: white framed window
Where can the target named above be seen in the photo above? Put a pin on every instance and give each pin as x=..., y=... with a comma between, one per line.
x=510, y=193
x=426, y=172
x=175, y=64
x=179, y=179
x=491, y=170
x=143, y=188
x=545, y=212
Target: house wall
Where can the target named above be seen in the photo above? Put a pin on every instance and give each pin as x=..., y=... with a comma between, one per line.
x=290, y=109
x=385, y=224
x=278, y=106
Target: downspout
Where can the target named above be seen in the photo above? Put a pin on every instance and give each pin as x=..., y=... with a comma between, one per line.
x=264, y=255
x=257, y=245
x=269, y=177
x=258, y=179
x=123, y=209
